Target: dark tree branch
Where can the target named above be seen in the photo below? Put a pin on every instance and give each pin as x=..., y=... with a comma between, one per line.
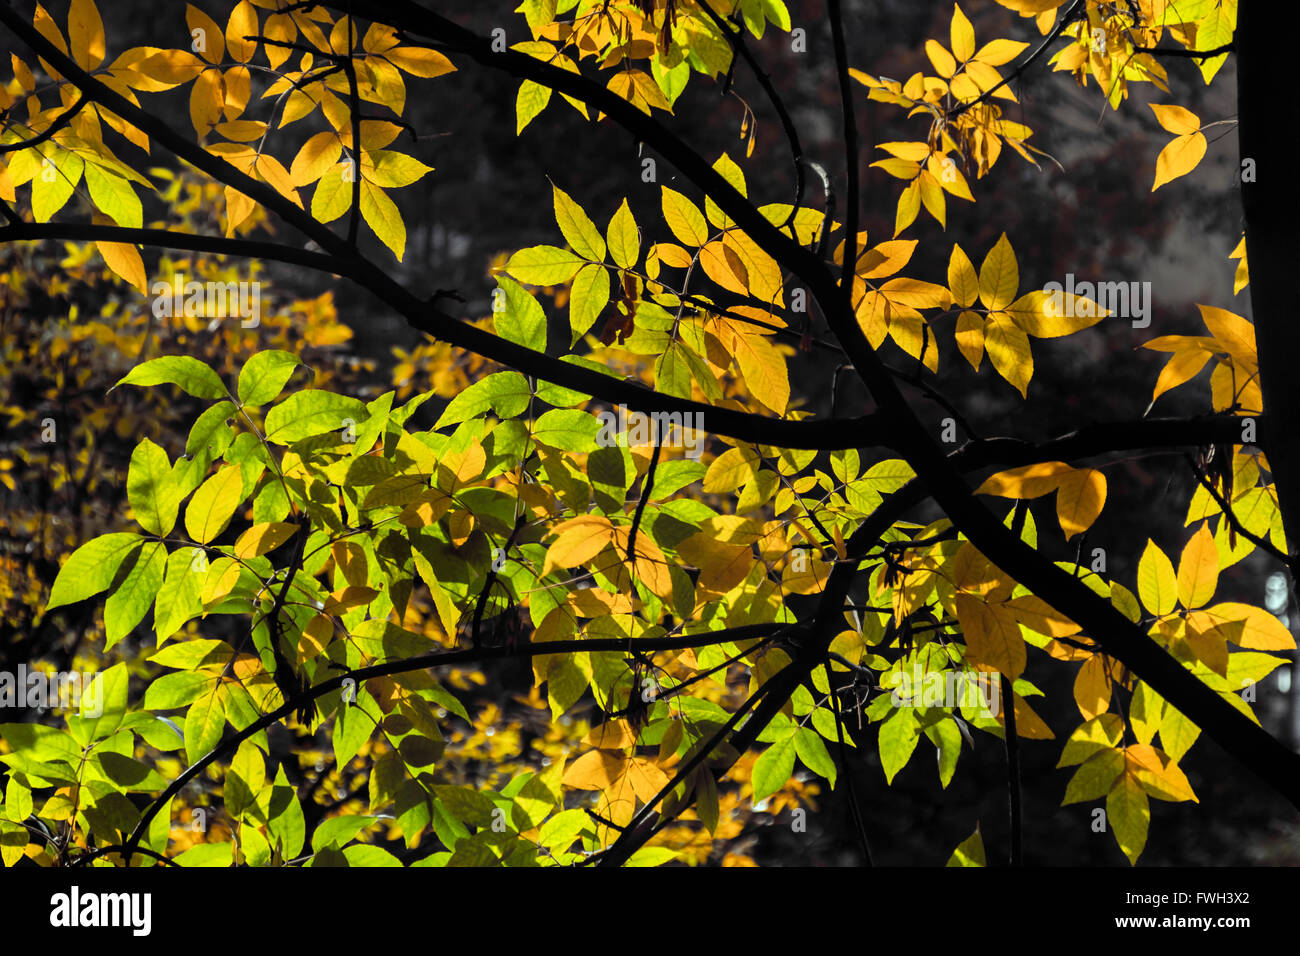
x=58, y=123
x=1187, y=54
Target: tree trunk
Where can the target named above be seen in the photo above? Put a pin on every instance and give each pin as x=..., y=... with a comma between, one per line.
x=1270, y=141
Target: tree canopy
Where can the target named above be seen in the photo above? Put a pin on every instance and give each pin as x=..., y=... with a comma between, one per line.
x=595, y=579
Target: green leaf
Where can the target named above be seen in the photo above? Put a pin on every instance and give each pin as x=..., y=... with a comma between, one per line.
x=651, y=856
x=173, y=691
x=153, y=495
x=810, y=749
x=264, y=376
x=179, y=598
x=520, y=318
x=506, y=393
x=579, y=231
x=187, y=373
x=969, y=852
x=1094, y=777
x=130, y=600
x=531, y=100
x=672, y=373
x=312, y=412
x=393, y=169
x=544, y=265
x=774, y=766
x=102, y=706
x=114, y=197
x=587, y=299
x=897, y=741
x=210, y=433
x=92, y=568
x=624, y=237
x=333, y=195
x=207, y=854
x=558, y=833
x=569, y=429
x=48, y=197
x=367, y=854
x=188, y=655
x=1129, y=814
x=203, y=723
x=337, y=831
x=380, y=212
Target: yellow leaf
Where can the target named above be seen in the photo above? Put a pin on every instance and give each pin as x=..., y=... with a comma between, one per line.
x=1207, y=641
x=419, y=61
x=206, y=36
x=213, y=504
x=85, y=34
x=999, y=276
x=1260, y=630
x=970, y=338
x=207, y=99
x=1127, y=810
x=263, y=538
x=222, y=576
x=242, y=23
x=909, y=204
x=579, y=540
x=1028, y=724
x=885, y=259
x=733, y=468
x=1159, y=776
x=1176, y=119
x=1233, y=333
x=1179, y=158
x=1092, y=687
x=579, y=231
x=1028, y=481
x=1047, y=315
x=645, y=778
x=1039, y=616
x=1157, y=585
x=1181, y=367
x=992, y=636
x=594, y=770
x=1079, y=500
x=723, y=265
x=764, y=370
x=381, y=214
x=684, y=218
x=932, y=197
x=1008, y=349
x=124, y=259
x=998, y=52
x=962, y=279
x=317, y=156
x=916, y=293
x=962, y=35
x=1198, y=569
x=1031, y=8
x=624, y=237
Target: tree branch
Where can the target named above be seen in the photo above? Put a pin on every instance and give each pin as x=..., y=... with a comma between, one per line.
x=433, y=659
